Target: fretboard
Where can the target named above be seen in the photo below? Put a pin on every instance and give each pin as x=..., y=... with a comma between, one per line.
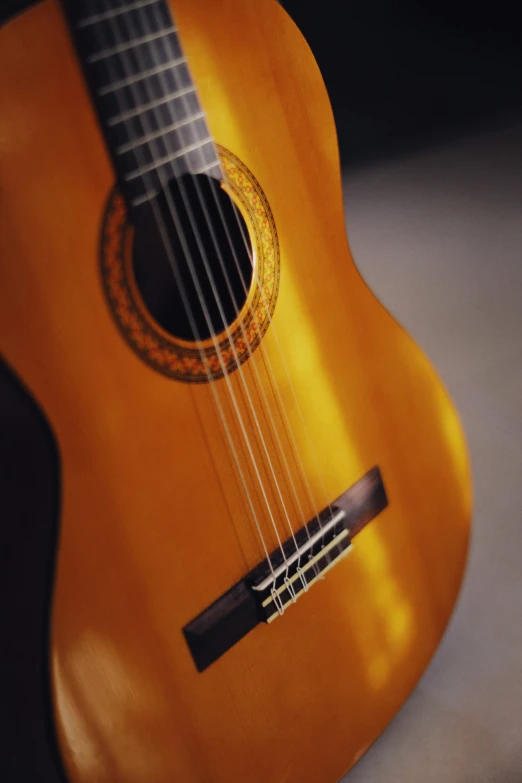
x=141, y=87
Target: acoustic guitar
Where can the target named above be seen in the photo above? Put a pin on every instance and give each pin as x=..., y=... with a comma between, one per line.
x=264, y=486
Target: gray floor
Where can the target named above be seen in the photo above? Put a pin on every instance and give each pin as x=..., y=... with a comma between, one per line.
x=438, y=237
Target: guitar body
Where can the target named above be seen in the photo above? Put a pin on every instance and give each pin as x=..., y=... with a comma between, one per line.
x=153, y=523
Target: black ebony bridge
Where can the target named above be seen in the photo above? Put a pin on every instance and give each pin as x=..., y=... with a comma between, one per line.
x=276, y=583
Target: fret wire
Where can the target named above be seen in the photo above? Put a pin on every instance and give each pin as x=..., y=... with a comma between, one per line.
x=146, y=197
x=127, y=115
x=136, y=202
x=207, y=167
x=156, y=134
x=167, y=159
x=123, y=47
x=112, y=12
x=138, y=76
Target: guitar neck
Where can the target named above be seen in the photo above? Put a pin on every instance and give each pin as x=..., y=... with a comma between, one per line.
x=143, y=93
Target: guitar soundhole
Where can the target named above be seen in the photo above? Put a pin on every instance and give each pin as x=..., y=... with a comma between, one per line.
x=192, y=259
x=141, y=290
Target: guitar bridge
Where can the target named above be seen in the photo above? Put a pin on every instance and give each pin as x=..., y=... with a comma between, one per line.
x=291, y=569
x=277, y=582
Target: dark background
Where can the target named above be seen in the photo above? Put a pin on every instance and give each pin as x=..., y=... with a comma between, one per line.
x=404, y=74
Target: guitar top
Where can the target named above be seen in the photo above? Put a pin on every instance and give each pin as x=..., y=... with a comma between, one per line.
x=264, y=486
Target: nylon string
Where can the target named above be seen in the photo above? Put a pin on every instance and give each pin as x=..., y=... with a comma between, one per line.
x=186, y=303
x=246, y=392
x=193, y=325
x=268, y=367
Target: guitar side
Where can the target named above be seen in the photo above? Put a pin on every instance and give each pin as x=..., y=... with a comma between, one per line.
x=153, y=524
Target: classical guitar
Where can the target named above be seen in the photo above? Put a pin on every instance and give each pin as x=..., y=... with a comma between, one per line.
x=264, y=487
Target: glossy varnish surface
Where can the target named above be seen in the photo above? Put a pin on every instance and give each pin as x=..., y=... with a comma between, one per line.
x=154, y=526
